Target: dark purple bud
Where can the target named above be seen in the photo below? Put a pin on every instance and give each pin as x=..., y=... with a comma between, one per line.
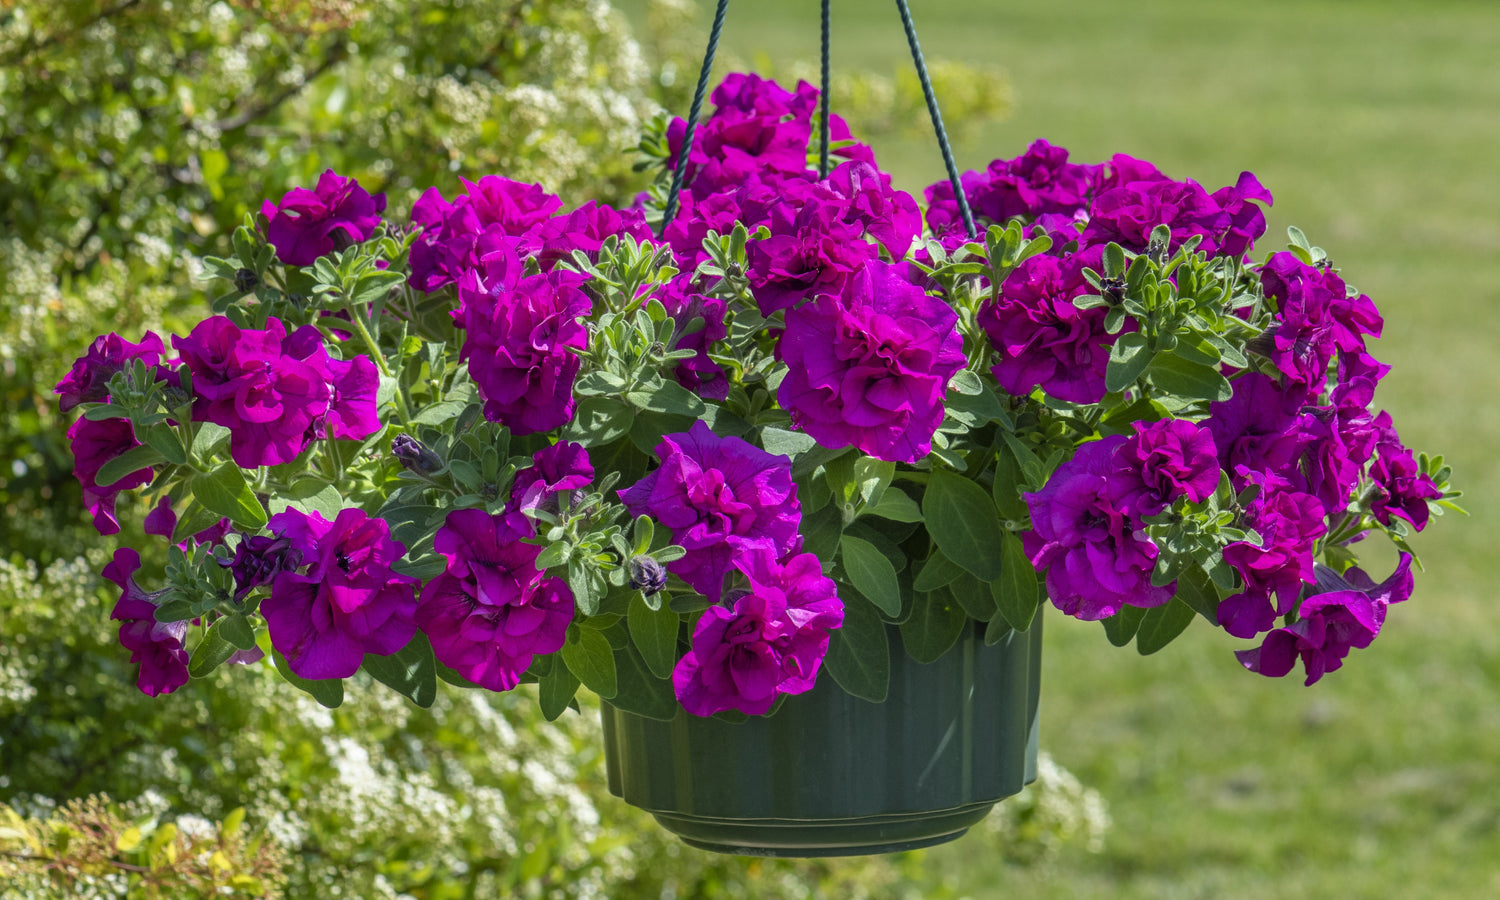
x=259, y=559
x=415, y=456
x=1113, y=289
x=245, y=281
x=646, y=574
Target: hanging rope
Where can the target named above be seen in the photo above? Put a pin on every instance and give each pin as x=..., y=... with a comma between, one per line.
x=937, y=117
x=692, y=121
x=823, y=152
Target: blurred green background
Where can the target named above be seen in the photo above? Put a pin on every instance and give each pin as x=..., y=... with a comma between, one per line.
x=1376, y=123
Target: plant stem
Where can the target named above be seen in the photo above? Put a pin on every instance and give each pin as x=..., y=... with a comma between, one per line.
x=358, y=320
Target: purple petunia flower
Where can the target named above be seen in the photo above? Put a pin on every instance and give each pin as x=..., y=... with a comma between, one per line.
x=349, y=603
x=770, y=642
x=889, y=216
x=490, y=611
x=260, y=558
x=1161, y=462
x=1226, y=221
x=1039, y=182
x=1347, y=612
x=870, y=368
x=155, y=646
x=88, y=380
x=94, y=444
x=517, y=334
x=1258, y=429
x=563, y=466
x=1401, y=488
x=1289, y=523
x=1042, y=339
x=307, y=224
x=275, y=391
x=1097, y=559
x=810, y=252
x=721, y=497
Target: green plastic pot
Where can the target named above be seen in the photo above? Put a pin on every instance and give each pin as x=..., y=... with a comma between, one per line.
x=833, y=775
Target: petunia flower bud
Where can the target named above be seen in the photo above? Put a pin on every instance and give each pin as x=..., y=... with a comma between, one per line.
x=415, y=456
x=646, y=574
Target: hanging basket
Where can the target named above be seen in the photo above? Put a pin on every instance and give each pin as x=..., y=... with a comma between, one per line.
x=833, y=775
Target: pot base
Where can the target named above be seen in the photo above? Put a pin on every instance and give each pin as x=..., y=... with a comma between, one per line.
x=824, y=837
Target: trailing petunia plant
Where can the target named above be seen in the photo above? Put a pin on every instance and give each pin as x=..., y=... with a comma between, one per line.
x=702, y=461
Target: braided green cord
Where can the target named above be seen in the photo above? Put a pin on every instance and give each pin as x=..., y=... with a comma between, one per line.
x=692, y=121
x=823, y=153
x=937, y=117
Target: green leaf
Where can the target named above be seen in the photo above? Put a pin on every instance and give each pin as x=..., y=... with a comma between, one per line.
x=1006, y=488
x=329, y=692
x=670, y=397
x=1128, y=358
x=871, y=574
x=872, y=477
x=237, y=630
x=859, y=654
x=821, y=532
x=780, y=442
x=1033, y=471
x=132, y=460
x=641, y=692
x=1189, y=380
x=974, y=596
x=316, y=495
x=599, y=421
x=555, y=690
x=1197, y=590
x=963, y=521
x=1017, y=592
x=212, y=651
x=933, y=627
x=654, y=632
x=410, y=671
x=207, y=437
x=1114, y=260
x=1161, y=624
x=225, y=492
x=592, y=660
x=938, y=571
x=895, y=505
x=439, y=413
x=1121, y=627
x=165, y=440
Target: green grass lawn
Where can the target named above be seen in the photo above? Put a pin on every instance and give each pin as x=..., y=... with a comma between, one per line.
x=1377, y=126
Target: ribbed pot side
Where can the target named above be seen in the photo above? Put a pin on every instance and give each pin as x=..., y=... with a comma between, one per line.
x=832, y=775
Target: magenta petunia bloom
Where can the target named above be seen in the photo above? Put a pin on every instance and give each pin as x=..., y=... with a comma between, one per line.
x=1289, y=523
x=1039, y=182
x=517, y=334
x=721, y=497
x=155, y=646
x=307, y=224
x=757, y=128
x=1163, y=461
x=1402, y=489
x=1041, y=338
x=810, y=252
x=563, y=466
x=88, y=380
x=270, y=389
x=770, y=642
x=1258, y=429
x=94, y=444
x=354, y=385
x=1227, y=221
x=490, y=611
x=1346, y=613
x=889, y=216
x=260, y=558
x=585, y=228
x=161, y=520
x=349, y=603
x=1096, y=557
x=870, y=368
